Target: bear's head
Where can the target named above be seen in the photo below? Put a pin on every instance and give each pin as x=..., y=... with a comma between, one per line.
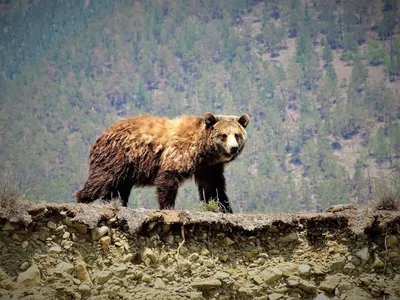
x=227, y=135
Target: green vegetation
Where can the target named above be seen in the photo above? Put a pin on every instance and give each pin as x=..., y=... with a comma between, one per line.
x=212, y=206
x=320, y=81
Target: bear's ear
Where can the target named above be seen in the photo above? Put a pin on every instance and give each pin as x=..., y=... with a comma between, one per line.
x=209, y=119
x=244, y=120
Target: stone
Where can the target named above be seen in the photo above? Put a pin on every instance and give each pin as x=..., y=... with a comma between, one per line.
x=304, y=270
x=146, y=278
x=224, y=258
x=288, y=238
x=55, y=250
x=321, y=297
x=348, y=268
x=275, y=296
x=363, y=254
x=185, y=265
x=337, y=265
x=194, y=256
x=148, y=253
x=183, y=250
x=207, y=284
x=51, y=225
x=209, y=263
x=8, y=227
x=30, y=277
x=103, y=276
x=170, y=239
x=98, y=232
x=84, y=288
x=293, y=281
x=308, y=287
x=127, y=258
x=204, y=252
x=82, y=273
x=24, y=266
x=25, y=244
x=271, y=275
x=354, y=260
x=289, y=269
x=81, y=228
x=119, y=270
x=391, y=241
x=159, y=284
x=64, y=267
x=105, y=242
x=329, y=284
x=378, y=263
x=258, y=280
x=196, y=296
x=228, y=241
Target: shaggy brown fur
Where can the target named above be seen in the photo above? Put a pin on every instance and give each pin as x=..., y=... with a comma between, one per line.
x=156, y=151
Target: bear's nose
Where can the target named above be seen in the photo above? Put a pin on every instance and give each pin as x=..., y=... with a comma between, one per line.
x=234, y=150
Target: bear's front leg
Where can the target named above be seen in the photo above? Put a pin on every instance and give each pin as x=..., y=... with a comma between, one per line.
x=211, y=186
x=167, y=185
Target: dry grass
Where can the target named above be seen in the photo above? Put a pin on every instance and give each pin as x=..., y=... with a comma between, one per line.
x=12, y=208
x=385, y=197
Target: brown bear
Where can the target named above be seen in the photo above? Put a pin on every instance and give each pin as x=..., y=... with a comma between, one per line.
x=157, y=151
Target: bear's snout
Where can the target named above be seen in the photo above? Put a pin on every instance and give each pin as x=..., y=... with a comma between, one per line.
x=233, y=150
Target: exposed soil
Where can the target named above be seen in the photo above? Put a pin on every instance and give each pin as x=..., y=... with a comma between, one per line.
x=104, y=251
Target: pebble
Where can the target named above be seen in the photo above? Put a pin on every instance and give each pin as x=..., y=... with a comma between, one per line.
x=229, y=242
x=159, y=284
x=293, y=281
x=55, y=249
x=209, y=263
x=105, y=242
x=103, y=276
x=275, y=296
x=271, y=275
x=81, y=228
x=304, y=270
x=30, y=277
x=321, y=297
x=51, y=225
x=146, y=278
x=391, y=241
x=98, y=232
x=329, y=284
x=288, y=238
x=309, y=288
x=25, y=244
x=127, y=258
x=84, y=288
x=149, y=254
x=8, y=227
x=24, y=266
x=207, y=284
x=363, y=254
x=64, y=267
x=66, y=235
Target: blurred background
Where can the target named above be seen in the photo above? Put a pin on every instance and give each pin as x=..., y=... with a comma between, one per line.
x=320, y=80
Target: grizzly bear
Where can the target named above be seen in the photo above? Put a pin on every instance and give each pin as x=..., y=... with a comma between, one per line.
x=161, y=152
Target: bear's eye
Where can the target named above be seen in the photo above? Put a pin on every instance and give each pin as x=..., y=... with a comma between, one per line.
x=237, y=136
x=224, y=136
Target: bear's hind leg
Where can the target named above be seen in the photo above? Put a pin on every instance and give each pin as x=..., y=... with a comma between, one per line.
x=167, y=188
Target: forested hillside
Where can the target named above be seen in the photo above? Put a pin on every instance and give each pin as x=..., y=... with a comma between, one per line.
x=320, y=80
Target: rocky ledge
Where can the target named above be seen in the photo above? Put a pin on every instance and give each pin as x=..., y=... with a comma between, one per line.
x=97, y=251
